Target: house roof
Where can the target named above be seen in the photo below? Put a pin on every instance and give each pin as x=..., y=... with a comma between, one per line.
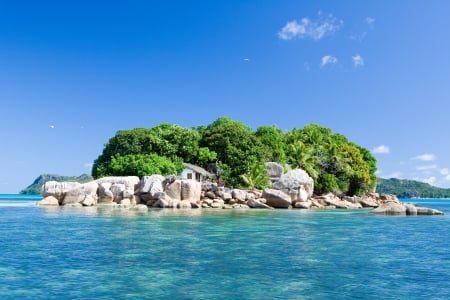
x=197, y=169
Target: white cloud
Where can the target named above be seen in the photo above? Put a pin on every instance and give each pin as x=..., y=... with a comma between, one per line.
x=358, y=37
x=427, y=167
x=328, y=59
x=358, y=61
x=306, y=28
x=370, y=20
x=430, y=180
x=447, y=177
x=246, y=59
x=425, y=157
x=382, y=149
x=444, y=171
x=51, y=126
x=88, y=165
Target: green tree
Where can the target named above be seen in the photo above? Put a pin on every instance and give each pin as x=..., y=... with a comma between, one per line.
x=144, y=164
x=302, y=156
x=256, y=177
x=236, y=146
x=272, y=139
x=166, y=140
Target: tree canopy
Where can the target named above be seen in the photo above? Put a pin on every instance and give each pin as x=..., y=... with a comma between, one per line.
x=335, y=164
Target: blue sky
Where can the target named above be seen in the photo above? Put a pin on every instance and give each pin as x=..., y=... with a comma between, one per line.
x=73, y=73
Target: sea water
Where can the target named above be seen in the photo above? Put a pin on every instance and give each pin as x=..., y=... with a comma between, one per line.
x=105, y=253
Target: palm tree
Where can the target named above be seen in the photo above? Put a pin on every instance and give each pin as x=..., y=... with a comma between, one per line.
x=303, y=157
x=256, y=177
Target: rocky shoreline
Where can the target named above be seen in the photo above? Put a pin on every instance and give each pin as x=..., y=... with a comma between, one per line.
x=292, y=190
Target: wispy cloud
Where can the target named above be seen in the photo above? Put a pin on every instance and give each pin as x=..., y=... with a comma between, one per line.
x=425, y=157
x=430, y=180
x=447, y=178
x=3, y=183
x=51, y=126
x=370, y=21
x=328, y=60
x=444, y=171
x=358, y=61
x=307, y=28
x=358, y=36
x=88, y=165
x=382, y=149
x=426, y=167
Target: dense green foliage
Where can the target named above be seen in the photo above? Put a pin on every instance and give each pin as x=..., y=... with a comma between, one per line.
x=334, y=163
x=410, y=189
x=35, y=187
x=144, y=164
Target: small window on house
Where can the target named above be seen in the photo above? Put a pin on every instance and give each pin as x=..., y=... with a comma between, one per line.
x=189, y=176
x=197, y=176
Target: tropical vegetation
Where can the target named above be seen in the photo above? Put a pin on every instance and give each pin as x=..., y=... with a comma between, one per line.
x=336, y=164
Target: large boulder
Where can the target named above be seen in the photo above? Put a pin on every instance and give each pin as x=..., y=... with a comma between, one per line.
x=390, y=208
x=104, y=193
x=274, y=170
x=79, y=193
x=49, y=200
x=334, y=201
x=58, y=189
x=173, y=189
x=165, y=201
x=130, y=182
x=239, y=194
x=256, y=203
x=150, y=186
x=297, y=184
x=191, y=190
x=276, y=198
x=117, y=189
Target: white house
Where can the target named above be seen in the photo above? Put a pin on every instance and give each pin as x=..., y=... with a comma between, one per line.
x=194, y=172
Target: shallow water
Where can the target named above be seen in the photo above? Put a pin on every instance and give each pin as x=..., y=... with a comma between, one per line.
x=90, y=253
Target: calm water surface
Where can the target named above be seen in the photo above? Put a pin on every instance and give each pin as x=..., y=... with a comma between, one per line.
x=90, y=253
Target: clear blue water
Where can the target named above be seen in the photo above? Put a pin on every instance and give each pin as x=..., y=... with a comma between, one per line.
x=89, y=253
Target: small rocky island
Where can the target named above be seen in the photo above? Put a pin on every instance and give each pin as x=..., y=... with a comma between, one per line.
x=291, y=190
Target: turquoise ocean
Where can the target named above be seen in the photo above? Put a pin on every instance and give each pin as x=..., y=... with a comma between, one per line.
x=99, y=253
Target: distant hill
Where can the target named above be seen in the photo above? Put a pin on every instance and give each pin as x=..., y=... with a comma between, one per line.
x=35, y=187
x=410, y=189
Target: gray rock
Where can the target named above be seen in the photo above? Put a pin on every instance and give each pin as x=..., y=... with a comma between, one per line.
x=117, y=190
x=411, y=209
x=151, y=185
x=274, y=169
x=58, y=189
x=239, y=194
x=78, y=193
x=390, y=208
x=428, y=211
x=130, y=182
x=191, y=190
x=173, y=189
x=104, y=193
x=49, y=200
x=89, y=200
x=254, y=203
x=276, y=198
x=184, y=204
x=303, y=204
x=297, y=184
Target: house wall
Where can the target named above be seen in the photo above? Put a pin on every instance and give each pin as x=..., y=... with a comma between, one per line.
x=185, y=173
